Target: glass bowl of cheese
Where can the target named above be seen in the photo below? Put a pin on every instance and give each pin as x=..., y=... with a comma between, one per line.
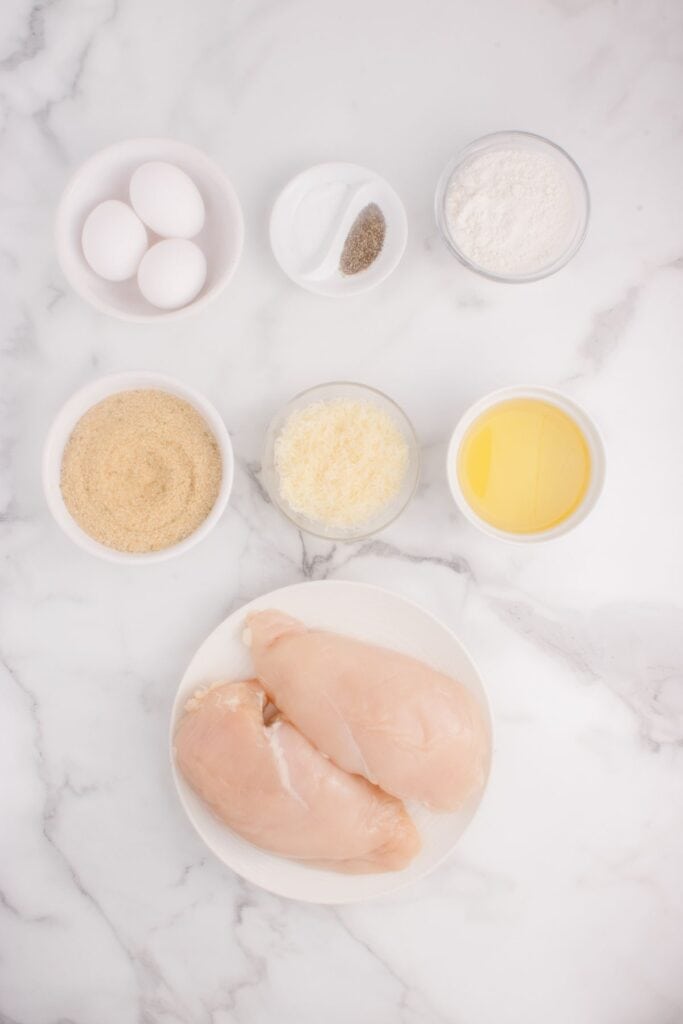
x=341, y=461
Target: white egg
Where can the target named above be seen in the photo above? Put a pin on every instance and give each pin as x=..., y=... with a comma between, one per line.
x=167, y=200
x=172, y=273
x=114, y=240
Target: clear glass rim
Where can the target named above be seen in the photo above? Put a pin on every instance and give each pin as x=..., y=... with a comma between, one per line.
x=301, y=523
x=442, y=190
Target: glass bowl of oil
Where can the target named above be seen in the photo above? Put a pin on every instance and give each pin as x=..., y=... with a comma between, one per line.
x=526, y=464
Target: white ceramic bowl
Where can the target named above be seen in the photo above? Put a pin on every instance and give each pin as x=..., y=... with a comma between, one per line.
x=376, y=616
x=106, y=175
x=580, y=416
x=375, y=190
x=328, y=393
x=61, y=430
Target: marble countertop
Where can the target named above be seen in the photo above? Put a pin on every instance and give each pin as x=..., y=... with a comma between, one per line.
x=564, y=900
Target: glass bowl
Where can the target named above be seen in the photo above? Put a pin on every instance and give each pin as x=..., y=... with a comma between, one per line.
x=326, y=393
x=518, y=140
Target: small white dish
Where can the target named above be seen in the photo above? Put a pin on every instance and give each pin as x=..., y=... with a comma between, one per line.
x=106, y=175
x=590, y=431
x=60, y=432
x=368, y=613
x=330, y=195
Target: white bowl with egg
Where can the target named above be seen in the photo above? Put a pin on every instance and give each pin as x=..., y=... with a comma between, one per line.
x=592, y=438
x=107, y=176
x=62, y=428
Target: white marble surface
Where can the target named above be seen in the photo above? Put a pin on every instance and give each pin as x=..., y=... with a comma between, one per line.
x=564, y=902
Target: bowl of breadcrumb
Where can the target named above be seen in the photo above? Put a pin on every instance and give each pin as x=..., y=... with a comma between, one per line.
x=137, y=468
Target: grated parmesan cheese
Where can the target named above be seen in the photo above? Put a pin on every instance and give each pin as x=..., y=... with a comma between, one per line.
x=340, y=462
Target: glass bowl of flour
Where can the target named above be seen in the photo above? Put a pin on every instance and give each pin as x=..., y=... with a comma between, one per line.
x=513, y=206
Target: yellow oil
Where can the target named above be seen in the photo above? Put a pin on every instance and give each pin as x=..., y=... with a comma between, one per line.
x=524, y=466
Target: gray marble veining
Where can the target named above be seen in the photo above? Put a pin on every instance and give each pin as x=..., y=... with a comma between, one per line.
x=564, y=899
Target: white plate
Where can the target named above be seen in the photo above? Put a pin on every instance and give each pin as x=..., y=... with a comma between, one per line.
x=106, y=175
x=283, y=226
x=368, y=613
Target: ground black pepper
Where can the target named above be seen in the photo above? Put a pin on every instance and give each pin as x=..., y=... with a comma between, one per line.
x=364, y=241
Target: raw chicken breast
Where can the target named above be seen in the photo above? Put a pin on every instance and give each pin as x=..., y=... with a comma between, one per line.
x=415, y=732
x=268, y=783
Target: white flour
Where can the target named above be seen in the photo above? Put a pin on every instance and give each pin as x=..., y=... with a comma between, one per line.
x=510, y=211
